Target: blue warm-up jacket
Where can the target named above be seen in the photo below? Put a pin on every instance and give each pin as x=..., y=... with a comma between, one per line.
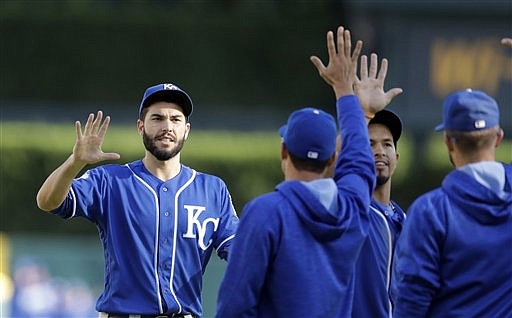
x=454, y=256
x=294, y=256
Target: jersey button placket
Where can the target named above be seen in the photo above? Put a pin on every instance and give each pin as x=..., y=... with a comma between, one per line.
x=166, y=239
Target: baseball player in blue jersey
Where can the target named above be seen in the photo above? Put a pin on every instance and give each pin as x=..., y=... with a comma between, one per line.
x=158, y=220
x=373, y=268
x=453, y=258
x=296, y=247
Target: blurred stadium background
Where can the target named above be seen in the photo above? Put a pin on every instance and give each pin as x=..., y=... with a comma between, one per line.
x=246, y=65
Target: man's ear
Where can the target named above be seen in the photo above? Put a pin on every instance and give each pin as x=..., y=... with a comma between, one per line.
x=499, y=137
x=187, y=130
x=284, y=152
x=449, y=141
x=332, y=160
x=140, y=126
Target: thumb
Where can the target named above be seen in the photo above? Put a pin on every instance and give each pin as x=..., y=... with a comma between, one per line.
x=111, y=156
x=317, y=62
x=392, y=93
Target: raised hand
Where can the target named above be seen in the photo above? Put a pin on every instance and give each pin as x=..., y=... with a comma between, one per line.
x=340, y=72
x=88, y=143
x=506, y=42
x=369, y=88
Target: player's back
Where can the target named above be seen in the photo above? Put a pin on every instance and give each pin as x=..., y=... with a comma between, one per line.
x=465, y=259
x=314, y=251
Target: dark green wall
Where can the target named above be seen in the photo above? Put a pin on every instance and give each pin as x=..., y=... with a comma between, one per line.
x=248, y=53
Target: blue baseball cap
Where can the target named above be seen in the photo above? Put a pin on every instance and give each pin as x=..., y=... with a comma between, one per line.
x=167, y=93
x=469, y=110
x=310, y=133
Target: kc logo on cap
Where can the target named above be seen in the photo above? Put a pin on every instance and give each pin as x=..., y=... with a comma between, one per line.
x=170, y=86
x=469, y=110
x=167, y=92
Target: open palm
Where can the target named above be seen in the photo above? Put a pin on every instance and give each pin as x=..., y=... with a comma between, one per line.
x=340, y=71
x=369, y=88
x=88, y=143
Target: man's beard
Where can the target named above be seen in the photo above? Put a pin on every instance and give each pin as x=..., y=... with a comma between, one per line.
x=162, y=155
x=381, y=180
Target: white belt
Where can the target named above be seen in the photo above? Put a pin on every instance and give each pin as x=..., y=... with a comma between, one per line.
x=105, y=315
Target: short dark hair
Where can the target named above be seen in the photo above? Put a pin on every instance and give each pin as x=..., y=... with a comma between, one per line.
x=469, y=142
x=317, y=166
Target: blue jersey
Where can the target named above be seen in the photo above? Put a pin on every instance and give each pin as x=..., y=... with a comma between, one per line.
x=373, y=268
x=292, y=256
x=157, y=236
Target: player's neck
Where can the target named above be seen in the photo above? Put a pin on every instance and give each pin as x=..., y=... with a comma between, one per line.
x=163, y=170
x=382, y=193
x=302, y=175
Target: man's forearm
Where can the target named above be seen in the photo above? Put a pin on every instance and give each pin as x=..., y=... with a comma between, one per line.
x=56, y=187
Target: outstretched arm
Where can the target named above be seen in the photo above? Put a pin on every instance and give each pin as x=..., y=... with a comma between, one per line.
x=340, y=73
x=87, y=150
x=369, y=88
x=355, y=168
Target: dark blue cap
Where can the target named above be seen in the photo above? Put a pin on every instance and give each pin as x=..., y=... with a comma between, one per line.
x=469, y=110
x=310, y=133
x=391, y=120
x=167, y=93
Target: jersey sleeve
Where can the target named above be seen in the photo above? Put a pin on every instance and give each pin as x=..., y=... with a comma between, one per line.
x=416, y=261
x=240, y=289
x=85, y=196
x=228, y=223
x=355, y=167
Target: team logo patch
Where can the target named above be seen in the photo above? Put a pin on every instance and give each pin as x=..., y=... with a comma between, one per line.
x=170, y=86
x=193, y=221
x=480, y=123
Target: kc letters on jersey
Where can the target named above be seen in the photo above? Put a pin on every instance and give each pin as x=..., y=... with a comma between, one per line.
x=194, y=221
